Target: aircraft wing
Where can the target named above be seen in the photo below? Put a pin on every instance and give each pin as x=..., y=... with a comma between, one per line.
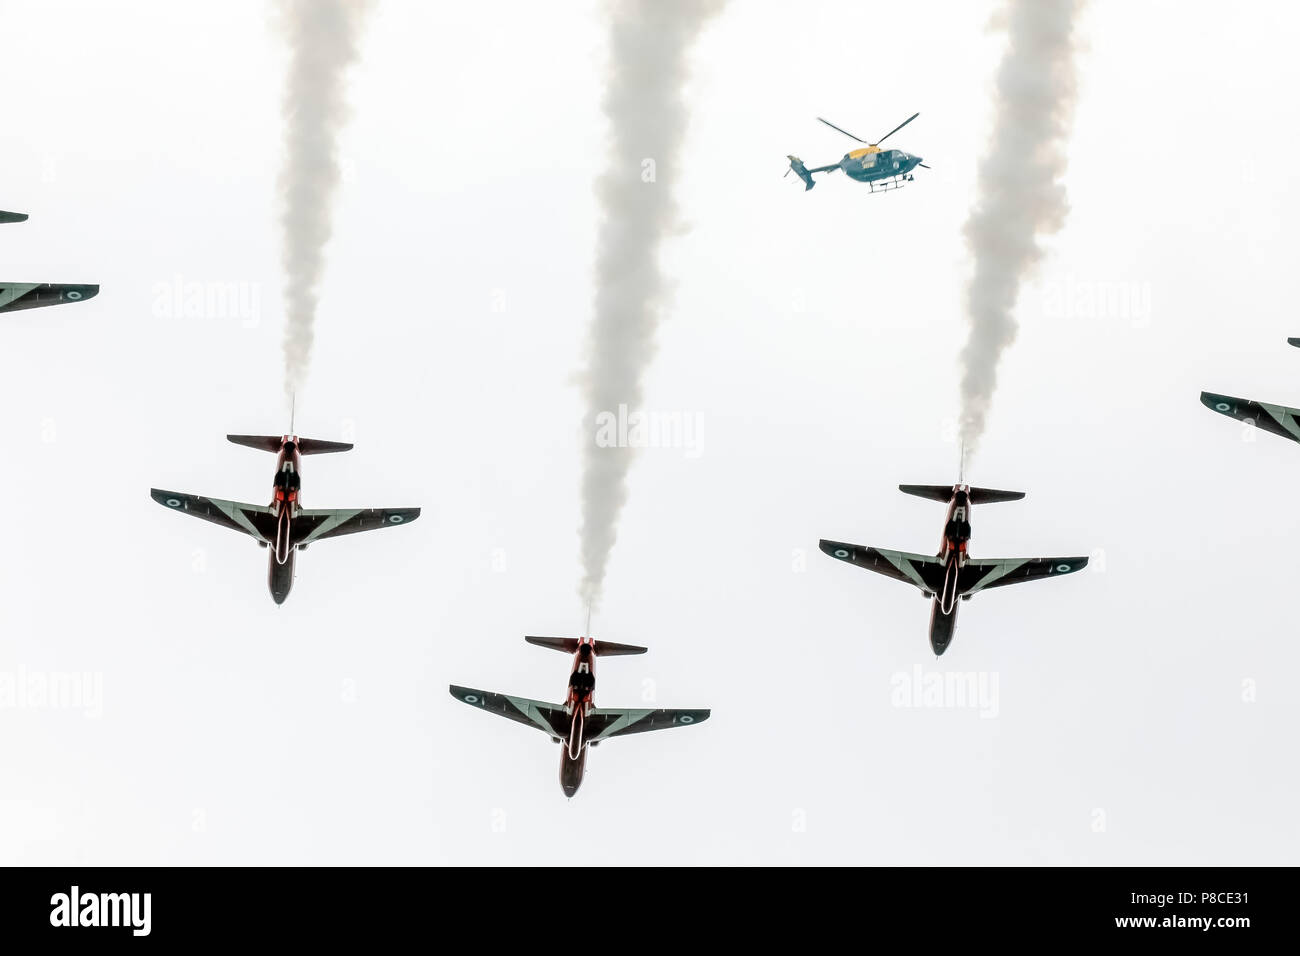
x=606, y=722
x=253, y=520
x=980, y=573
x=312, y=525
x=1277, y=419
x=924, y=571
x=15, y=296
x=548, y=718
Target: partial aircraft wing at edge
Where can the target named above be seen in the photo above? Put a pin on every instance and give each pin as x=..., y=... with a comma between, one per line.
x=16, y=296
x=1277, y=419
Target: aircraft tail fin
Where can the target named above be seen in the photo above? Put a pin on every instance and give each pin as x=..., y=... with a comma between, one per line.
x=306, y=446
x=800, y=170
x=569, y=645
x=988, y=496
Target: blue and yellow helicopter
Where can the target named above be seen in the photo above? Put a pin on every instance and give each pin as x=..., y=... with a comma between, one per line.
x=882, y=168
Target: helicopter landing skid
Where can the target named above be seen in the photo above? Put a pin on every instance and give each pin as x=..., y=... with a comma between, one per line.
x=888, y=185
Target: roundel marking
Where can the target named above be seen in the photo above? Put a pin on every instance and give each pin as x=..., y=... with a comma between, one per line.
x=395, y=519
x=686, y=719
x=73, y=294
x=471, y=698
x=841, y=553
x=1222, y=407
x=1062, y=568
x=173, y=502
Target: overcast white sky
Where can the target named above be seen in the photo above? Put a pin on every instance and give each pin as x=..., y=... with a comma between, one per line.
x=814, y=337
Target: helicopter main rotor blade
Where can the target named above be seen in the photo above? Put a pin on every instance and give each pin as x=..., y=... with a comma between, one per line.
x=894, y=130
x=923, y=166
x=846, y=132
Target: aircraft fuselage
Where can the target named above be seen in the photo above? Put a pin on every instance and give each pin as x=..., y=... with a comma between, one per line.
x=872, y=164
x=286, y=502
x=952, y=552
x=578, y=701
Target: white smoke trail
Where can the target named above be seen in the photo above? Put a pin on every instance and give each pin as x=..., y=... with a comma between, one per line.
x=1020, y=196
x=323, y=40
x=647, y=112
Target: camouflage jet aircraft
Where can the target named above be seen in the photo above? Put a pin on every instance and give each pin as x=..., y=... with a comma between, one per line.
x=952, y=573
x=285, y=526
x=578, y=723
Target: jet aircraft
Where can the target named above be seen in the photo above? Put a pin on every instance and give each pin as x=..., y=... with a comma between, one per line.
x=578, y=723
x=952, y=573
x=284, y=526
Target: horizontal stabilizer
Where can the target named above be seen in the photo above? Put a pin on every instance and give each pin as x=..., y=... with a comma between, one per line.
x=15, y=296
x=12, y=216
x=933, y=492
x=977, y=496
x=269, y=443
x=569, y=645
x=318, y=446
x=273, y=443
x=988, y=496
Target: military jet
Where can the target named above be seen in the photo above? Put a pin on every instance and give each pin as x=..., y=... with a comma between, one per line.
x=285, y=526
x=578, y=723
x=952, y=573
x=882, y=168
x=1277, y=419
x=15, y=296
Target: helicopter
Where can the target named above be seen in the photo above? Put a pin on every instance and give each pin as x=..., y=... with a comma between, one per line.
x=883, y=169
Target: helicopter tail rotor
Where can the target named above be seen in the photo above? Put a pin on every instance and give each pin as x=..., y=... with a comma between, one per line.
x=800, y=170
